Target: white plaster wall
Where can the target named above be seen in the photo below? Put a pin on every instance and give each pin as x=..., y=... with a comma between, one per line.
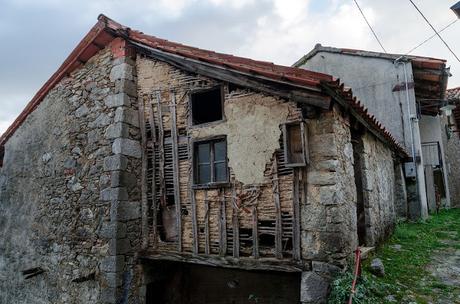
x=252, y=126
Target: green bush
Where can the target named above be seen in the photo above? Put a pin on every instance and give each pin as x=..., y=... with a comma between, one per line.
x=367, y=289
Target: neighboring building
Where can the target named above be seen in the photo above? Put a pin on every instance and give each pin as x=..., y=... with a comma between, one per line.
x=146, y=171
x=452, y=139
x=405, y=94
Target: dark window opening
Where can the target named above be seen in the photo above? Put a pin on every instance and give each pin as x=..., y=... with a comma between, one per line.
x=246, y=241
x=211, y=162
x=295, y=144
x=207, y=106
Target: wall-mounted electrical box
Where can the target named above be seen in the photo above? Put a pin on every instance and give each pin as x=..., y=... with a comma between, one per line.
x=409, y=169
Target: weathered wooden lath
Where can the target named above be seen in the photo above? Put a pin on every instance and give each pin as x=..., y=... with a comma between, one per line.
x=235, y=225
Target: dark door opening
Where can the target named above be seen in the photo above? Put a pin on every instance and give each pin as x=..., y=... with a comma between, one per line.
x=182, y=283
x=357, y=143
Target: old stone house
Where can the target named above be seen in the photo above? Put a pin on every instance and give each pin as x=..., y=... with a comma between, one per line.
x=406, y=93
x=146, y=171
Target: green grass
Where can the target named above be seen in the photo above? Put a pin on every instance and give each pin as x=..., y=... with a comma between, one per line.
x=406, y=276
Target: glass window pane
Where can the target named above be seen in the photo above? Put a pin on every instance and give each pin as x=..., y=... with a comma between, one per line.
x=204, y=174
x=220, y=172
x=203, y=153
x=220, y=148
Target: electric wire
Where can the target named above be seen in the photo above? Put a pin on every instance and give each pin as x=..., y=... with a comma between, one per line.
x=445, y=43
x=370, y=27
x=431, y=37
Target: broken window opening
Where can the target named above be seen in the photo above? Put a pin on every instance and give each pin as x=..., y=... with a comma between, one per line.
x=295, y=144
x=207, y=106
x=210, y=162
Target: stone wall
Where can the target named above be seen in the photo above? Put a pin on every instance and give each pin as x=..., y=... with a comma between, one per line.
x=329, y=214
x=69, y=212
x=50, y=213
x=452, y=153
x=378, y=189
x=400, y=191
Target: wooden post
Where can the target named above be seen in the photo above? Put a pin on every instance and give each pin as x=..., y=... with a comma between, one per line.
x=196, y=240
x=222, y=225
x=206, y=224
x=278, y=221
x=144, y=227
x=236, y=228
x=296, y=216
x=255, y=232
x=153, y=164
x=161, y=151
x=175, y=159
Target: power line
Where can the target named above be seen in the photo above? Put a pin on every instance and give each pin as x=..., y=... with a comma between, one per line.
x=368, y=24
x=445, y=43
x=431, y=37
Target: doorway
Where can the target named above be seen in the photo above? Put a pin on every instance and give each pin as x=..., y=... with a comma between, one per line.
x=183, y=283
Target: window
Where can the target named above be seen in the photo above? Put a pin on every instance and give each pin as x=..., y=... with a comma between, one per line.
x=207, y=106
x=210, y=159
x=295, y=144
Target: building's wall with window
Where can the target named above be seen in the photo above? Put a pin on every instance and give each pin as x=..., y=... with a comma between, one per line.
x=236, y=161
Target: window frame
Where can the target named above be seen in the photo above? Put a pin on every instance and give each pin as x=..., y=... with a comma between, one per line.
x=212, y=184
x=304, y=143
x=190, y=105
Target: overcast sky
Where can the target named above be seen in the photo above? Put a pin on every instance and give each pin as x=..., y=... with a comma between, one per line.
x=37, y=36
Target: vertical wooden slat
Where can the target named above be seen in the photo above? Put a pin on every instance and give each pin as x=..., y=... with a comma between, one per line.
x=278, y=221
x=206, y=224
x=196, y=240
x=144, y=222
x=175, y=159
x=296, y=216
x=153, y=188
x=161, y=151
x=255, y=232
x=222, y=225
x=236, y=228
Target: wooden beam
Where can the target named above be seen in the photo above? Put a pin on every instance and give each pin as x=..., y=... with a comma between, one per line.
x=222, y=224
x=161, y=150
x=278, y=221
x=236, y=228
x=144, y=207
x=207, y=245
x=175, y=161
x=153, y=187
x=196, y=240
x=246, y=263
x=255, y=232
x=297, y=93
x=296, y=216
